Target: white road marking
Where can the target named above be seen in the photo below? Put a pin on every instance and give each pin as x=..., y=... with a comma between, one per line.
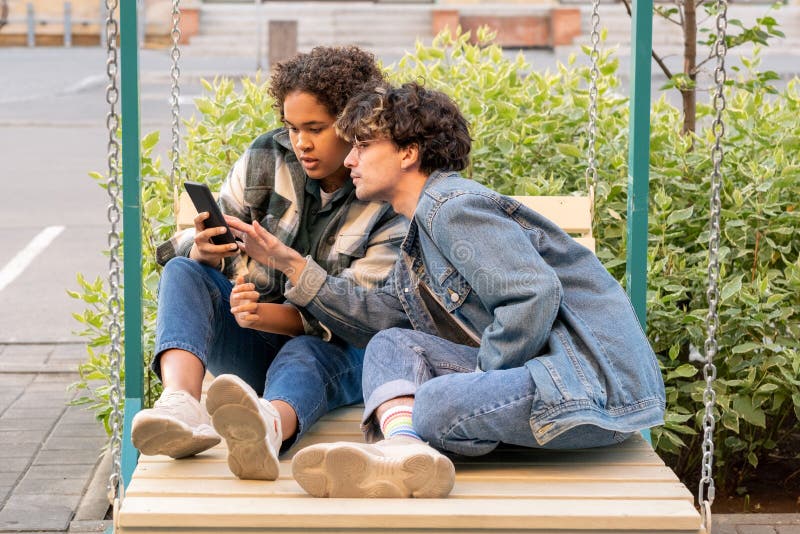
x=24, y=257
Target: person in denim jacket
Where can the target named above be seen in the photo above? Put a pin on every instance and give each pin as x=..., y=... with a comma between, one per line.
x=292, y=180
x=518, y=334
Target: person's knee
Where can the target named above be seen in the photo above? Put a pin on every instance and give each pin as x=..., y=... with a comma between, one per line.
x=180, y=268
x=384, y=345
x=298, y=356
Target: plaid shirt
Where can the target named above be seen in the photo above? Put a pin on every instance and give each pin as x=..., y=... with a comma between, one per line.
x=267, y=184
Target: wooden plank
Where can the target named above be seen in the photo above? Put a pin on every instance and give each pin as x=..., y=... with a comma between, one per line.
x=572, y=214
x=598, y=490
x=505, y=458
x=538, y=474
x=493, y=514
x=398, y=530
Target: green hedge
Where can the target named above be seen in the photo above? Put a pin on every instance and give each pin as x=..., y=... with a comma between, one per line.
x=529, y=129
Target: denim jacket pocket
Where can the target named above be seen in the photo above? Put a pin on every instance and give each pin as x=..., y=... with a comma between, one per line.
x=452, y=291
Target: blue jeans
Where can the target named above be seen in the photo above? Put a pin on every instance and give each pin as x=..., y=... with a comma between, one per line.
x=457, y=408
x=309, y=374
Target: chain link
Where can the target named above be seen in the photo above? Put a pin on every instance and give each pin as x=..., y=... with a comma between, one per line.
x=175, y=92
x=594, y=74
x=114, y=216
x=706, y=491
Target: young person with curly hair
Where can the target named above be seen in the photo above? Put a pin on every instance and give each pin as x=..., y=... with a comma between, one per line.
x=279, y=366
x=520, y=335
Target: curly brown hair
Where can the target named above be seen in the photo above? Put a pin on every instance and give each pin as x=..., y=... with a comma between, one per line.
x=332, y=74
x=410, y=115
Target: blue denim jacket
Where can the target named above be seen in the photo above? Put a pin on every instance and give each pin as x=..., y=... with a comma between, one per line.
x=529, y=294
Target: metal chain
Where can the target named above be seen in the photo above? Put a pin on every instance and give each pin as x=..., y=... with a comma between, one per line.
x=113, y=212
x=705, y=493
x=175, y=92
x=594, y=74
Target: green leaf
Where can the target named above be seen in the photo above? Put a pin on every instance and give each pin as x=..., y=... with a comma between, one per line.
x=743, y=406
x=745, y=347
x=686, y=370
x=730, y=421
x=767, y=388
x=680, y=215
x=731, y=288
x=570, y=150
x=150, y=140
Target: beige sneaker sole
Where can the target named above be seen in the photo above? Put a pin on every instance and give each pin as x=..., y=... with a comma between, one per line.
x=236, y=417
x=153, y=434
x=350, y=470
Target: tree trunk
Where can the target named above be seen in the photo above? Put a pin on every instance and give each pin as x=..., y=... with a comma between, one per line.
x=689, y=94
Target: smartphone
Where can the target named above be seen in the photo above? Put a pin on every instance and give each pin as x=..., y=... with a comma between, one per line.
x=203, y=200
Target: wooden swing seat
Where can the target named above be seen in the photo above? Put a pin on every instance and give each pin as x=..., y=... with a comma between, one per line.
x=624, y=488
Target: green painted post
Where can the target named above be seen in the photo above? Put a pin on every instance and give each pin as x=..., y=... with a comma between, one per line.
x=639, y=159
x=132, y=228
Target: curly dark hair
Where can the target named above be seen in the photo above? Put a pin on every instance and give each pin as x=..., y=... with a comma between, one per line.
x=332, y=74
x=410, y=115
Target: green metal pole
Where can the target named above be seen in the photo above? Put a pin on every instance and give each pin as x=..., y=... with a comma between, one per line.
x=639, y=155
x=132, y=228
x=639, y=159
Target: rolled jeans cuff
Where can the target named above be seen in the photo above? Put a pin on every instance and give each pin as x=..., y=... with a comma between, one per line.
x=308, y=285
x=384, y=392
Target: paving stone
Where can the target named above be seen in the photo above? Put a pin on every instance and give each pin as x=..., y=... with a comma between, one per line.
x=88, y=527
x=55, y=392
x=42, y=400
x=29, y=512
x=754, y=529
x=78, y=414
x=87, y=430
x=42, y=410
x=32, y=355
x=717, y=528
x=65, y=471
x=55, y=485
x=19, y=451
x=60, y=443
x=69, y=351
x=67, y=457
x=21, y=437
x=50, y=379
x=10, y=478
x=27, y=423
x=6, y=401
x=12, y=467
x=18, y=380
x=788, y=529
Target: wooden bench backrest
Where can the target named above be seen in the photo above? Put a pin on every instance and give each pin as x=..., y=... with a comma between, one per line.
x=572, y=214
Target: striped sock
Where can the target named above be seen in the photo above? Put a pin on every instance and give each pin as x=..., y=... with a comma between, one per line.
x=397, y=421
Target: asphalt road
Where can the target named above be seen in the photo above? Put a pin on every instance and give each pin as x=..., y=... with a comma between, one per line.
x=52, y=134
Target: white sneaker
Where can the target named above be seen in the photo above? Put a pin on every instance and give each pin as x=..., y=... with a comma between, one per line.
x=177, y=426
x=250, y=425
x=396, y=467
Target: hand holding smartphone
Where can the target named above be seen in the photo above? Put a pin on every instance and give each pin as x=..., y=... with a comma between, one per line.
x=203, y=200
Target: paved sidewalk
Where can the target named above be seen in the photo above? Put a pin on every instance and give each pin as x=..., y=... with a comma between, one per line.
x=49, y=451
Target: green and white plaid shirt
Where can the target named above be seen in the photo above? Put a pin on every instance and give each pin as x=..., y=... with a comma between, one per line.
x=267, y=184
